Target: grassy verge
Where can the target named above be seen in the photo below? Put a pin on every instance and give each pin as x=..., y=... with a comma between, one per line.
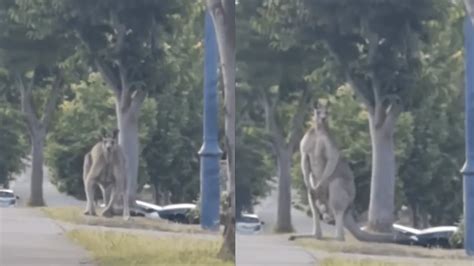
x=74, y=215
x=362, y=262
x=117, y=249
x=353, y=246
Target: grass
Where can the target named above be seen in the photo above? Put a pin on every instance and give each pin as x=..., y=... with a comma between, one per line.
x=353, y=246
x=116, y=249
x=74, y=215
x=362, y=262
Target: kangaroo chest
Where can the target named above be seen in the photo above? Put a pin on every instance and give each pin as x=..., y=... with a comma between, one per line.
x=107, y=175
x=318, y=159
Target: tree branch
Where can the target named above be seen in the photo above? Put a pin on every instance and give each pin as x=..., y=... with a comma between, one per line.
x=393, y=111
x=470, y=9
x=27, y=102
x=126, y=96
x=270, y=122
x=109, y=76
x=373, y=44
x=137, y=99
x=297, y=121
x=120, y=32
x=356, y=86
x=52, y=101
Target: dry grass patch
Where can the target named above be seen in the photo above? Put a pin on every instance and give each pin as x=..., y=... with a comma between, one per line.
x=351, y=245
x=74, y=215
x=362, y=262
x=117, y=249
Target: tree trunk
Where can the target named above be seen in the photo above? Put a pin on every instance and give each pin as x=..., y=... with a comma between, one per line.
x=223, y=17
x=36, y=189
x=416, y=222
x=283, y=223
x=127, y=121
x=470, y=9
x=382, y=187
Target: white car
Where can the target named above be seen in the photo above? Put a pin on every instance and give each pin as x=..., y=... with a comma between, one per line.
x=147, y=210
x=249, y=224
x=179, y=213
x=143, y=209
x=7, y=198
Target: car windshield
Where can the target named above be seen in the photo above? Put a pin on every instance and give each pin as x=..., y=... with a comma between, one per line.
x=6, y=194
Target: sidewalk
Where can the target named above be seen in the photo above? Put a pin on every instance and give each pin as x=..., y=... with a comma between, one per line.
x=28, y=238
x=267, y=250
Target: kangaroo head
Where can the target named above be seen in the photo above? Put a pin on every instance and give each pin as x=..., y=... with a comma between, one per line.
x=109, y=141
x=321, y=113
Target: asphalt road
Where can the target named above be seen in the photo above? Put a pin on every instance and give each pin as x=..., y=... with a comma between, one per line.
x=52, y=196
x=268, y=248
x=28, y=238
x=302, y=223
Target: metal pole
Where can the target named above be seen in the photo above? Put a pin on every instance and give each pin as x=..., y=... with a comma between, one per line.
x=468, y=169
x=210, y=152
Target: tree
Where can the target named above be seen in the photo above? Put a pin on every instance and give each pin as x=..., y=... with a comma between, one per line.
x=77, y=127
x=433, y=164
x=172, y=158
x=121, y=39
x=470, y=9
x=13, y=141
x=33, y=63
x=376, y=45
x=276, y=87
x=254, y=165
x=223, y=17
x=428, y=139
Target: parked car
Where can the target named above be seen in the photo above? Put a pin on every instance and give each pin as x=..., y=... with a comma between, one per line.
x=431, y=237
x=179, y=213
x=435, y=237
x=249, y=224
x=8, y=198
x=144, y=209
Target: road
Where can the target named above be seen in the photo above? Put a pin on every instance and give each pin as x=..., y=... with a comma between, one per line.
x=302, y=223
x=269, y=248
x=28, y=238
x=52, y=196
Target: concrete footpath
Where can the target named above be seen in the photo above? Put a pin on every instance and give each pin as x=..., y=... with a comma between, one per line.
x=267, y=250
x=28, y=238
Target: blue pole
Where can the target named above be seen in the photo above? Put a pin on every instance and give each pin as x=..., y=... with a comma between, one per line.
x=210, y=152
x=468, y=169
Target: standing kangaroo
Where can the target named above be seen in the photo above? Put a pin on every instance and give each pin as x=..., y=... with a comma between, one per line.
x=329, y=181
x=105, y=166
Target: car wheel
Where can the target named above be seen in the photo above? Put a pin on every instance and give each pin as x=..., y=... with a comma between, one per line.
x=179, y=218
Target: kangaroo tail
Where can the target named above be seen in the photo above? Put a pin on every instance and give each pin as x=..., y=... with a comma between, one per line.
x=352, y=226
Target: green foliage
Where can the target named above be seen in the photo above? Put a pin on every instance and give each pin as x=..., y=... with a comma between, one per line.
x=77, y=128
x=13, y=142
x=457, y=239
x=253, y=169
x=430, y=175
x=419, y=59
x=172, y=154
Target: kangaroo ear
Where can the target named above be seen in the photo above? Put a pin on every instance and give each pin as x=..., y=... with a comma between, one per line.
x=316, y=105
x=115, y=133
x=103, y=133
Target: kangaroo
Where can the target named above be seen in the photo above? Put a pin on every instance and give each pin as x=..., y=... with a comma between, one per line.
x=105, y=166
x=329, y=181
